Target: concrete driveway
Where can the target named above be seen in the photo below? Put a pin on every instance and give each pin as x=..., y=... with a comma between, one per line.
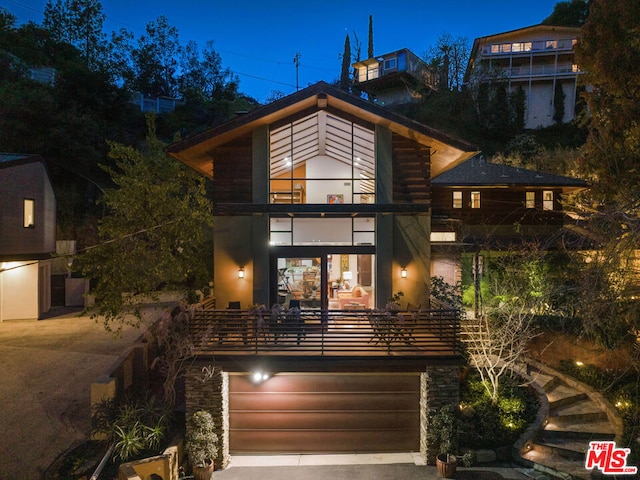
x=46, y=368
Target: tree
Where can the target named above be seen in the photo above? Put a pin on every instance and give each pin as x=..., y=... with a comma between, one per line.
x=558, y=103
x=370, y=43
x=79, y=23
x=155, y=59
x=449, y=56
x=153, y=237
x=519, y=290
x=570, y=13
x=608, y=50
x=345, y=79
x=203, y=77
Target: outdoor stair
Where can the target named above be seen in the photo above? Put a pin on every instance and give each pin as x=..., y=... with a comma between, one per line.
x=574, y=416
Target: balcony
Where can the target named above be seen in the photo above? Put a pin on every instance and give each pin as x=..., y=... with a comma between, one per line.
x=528, y=47
x=533, y=71
x=327, y=333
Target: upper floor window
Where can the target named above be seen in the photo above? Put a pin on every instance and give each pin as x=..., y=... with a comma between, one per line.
x=530, y=200
x=29, y=213
x=322, y=158
x=390, y=63
x=547, y=200
x=475, y=199
x=457, y=199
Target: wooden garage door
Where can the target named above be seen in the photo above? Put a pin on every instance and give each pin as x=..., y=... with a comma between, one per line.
x=324, y=414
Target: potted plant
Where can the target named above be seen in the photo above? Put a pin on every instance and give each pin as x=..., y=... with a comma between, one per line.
x=443, y=436
x=201, y=444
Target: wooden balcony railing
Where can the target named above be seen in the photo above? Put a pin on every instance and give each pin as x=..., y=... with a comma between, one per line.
x=326, y=332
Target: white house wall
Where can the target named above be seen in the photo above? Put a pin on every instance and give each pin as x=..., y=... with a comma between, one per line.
x=19, y=291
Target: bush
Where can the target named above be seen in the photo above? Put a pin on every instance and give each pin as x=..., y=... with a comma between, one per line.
x=135, y=426
x=492, y=425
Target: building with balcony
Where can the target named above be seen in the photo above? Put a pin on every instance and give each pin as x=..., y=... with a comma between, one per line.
x=322, y=206
x=540, y=60
x=27, y=236
x=393, y=78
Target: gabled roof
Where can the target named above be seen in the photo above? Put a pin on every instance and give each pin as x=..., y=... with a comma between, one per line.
x=13, y=159
x=194, y=151
x=477, y=172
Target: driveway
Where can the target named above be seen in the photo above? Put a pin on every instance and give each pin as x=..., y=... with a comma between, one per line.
x=46, y=368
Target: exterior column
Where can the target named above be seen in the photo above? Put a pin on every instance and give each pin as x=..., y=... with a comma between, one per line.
x=439, y=386
x=207, y=388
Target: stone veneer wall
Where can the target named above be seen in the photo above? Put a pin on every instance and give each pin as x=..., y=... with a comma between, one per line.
x=439, y=386
x=210, y=392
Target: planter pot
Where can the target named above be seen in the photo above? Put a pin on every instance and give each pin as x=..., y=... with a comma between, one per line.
x=447, y=465
x=203, y=473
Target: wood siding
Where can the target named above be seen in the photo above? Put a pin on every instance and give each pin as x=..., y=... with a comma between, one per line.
x=324, y=413
x=232, y=174
x=498, y=206
x=411, y=171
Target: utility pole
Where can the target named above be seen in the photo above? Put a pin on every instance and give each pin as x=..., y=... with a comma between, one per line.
x=296, y=62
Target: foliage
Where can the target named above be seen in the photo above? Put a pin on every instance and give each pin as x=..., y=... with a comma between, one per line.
x=345, y=78
x=569, y=13
x=558, y=104
x=158, y=216
x=170, y=334
x=449, y=56
x=201, y=441
x=393, y=302
x=442, y=429
x=489, y=424
x=446, y=293
x=134, y=426
x=79, y=23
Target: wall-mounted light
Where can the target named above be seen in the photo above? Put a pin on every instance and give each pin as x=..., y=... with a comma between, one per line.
x=403, y=272
x=241, y=272
x=259, y=376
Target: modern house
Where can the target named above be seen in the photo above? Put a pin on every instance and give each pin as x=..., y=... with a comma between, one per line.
x=27, y=236
x=540, y=60
x=393, y=78
x=322, y=205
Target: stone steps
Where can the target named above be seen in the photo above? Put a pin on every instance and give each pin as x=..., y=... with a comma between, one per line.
x=573, y=419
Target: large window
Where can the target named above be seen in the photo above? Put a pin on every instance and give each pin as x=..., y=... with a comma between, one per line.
x=301, y=231
x=547, y=200
x=322, y=159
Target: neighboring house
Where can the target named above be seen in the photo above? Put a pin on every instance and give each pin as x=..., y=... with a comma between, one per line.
x=27, y=236
x=479, y=206
x=540, y=59
x=393, y=78
x=322, y=200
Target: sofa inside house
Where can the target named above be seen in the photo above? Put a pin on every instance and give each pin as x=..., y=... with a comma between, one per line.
x=356, y=296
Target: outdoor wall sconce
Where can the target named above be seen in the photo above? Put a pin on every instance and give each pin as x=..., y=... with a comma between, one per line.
x=403, y=272
x=241, y=272
x=258, y=377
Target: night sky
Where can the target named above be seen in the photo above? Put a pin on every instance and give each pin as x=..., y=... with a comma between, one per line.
x=259, y=40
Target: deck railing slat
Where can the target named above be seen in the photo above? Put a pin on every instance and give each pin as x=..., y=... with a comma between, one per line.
x=326, y=332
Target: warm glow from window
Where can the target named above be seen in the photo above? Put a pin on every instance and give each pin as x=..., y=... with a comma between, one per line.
x=530, y=200
x=457, y=199
x=29, y=212
x=547, y=200
x=443, y=236
x=475, y=199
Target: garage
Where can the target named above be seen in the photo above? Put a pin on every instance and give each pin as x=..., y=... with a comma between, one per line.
x=320, y=413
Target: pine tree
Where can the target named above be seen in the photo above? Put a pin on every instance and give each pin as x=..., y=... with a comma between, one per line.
x=370, y=49
x=345, y=80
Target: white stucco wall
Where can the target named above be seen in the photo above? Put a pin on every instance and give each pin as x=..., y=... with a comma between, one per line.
x=19, y=290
